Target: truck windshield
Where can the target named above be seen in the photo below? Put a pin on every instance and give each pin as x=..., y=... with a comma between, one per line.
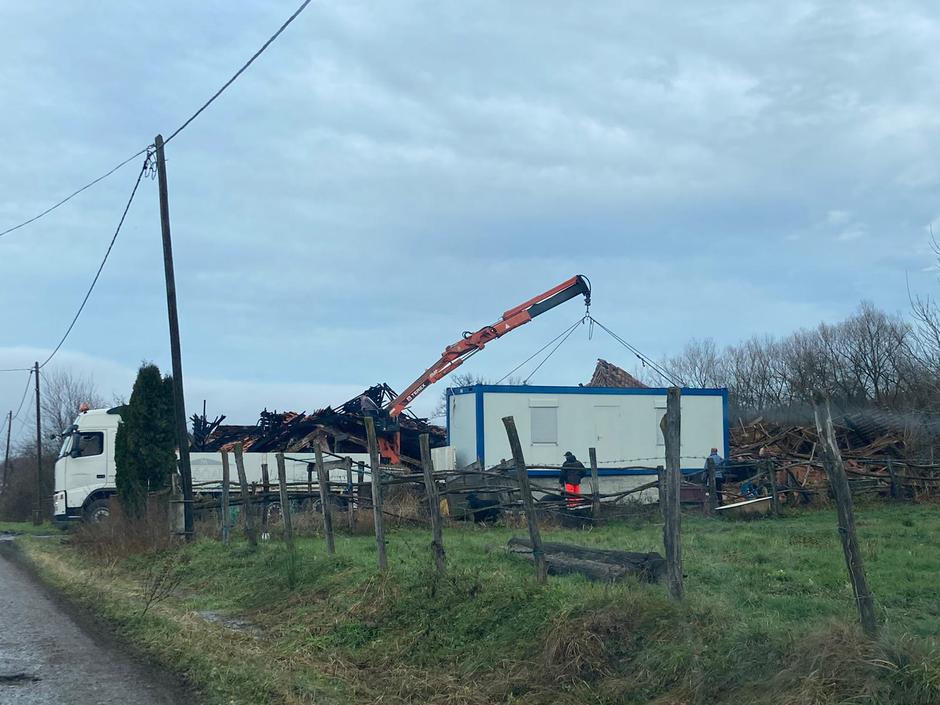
x=66, y=445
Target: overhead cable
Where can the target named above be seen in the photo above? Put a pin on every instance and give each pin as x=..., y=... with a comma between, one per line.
x=73, y=194
x=238, y=73
x=94, y=281
x=25, y=391
x=174, y=133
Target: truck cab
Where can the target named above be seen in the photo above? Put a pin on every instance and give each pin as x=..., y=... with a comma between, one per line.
x=84, y=471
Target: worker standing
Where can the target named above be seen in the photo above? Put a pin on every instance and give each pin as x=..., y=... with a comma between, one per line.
x=719, y=471
x=569, y=479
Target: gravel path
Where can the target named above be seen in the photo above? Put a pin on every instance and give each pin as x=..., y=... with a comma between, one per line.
x=46, y=656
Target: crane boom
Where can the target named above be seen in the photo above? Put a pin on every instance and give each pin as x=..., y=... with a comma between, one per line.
x=454, y=355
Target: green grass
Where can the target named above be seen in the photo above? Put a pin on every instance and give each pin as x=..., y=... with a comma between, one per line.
x=769, y=617
x=27, y=527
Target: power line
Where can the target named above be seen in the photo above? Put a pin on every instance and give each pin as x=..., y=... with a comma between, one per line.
x=179, y=129
x=238, y=73
x=25, y=391
x=103, y=261
x=73, y=194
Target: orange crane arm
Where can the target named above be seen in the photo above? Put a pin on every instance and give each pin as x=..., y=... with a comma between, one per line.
x=454, y=355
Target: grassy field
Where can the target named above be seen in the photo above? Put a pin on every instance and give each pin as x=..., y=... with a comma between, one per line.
x=27, y=527
x=769, y=617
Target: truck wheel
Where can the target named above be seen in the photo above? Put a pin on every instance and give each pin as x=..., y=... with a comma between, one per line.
x=98, y=511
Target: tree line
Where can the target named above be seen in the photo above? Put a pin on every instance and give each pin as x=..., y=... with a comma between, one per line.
x=870, y=360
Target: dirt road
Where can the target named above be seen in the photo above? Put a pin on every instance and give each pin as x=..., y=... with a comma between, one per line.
x=46, y=656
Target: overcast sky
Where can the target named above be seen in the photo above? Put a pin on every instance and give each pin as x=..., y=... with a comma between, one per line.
x=389, y=174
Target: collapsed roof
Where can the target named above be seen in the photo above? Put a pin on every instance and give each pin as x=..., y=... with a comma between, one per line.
x=607, y=374
x=339, y=430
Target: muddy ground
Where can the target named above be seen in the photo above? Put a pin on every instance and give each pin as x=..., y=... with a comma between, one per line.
x=51, y=653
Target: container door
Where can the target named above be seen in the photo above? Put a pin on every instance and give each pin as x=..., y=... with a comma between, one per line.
x=608, y=433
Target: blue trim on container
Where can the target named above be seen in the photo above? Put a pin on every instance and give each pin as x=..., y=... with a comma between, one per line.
x=727, y=425
x=626, y=391
x=481, y=442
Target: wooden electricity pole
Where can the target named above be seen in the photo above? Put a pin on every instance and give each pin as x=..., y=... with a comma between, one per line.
x=839, y=483
x=6, y=458
x=37, y=515
x=182, y=434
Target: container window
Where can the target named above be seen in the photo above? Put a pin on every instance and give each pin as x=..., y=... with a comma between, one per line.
x=544, y=424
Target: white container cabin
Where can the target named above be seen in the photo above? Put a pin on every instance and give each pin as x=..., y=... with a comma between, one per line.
x=622, y=424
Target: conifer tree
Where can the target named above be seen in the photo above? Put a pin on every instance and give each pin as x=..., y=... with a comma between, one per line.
x=145, y=445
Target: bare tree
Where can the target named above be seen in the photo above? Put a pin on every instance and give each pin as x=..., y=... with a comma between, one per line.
x=63, y=391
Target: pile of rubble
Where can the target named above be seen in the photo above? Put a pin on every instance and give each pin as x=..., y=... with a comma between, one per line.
x=340, y=430
x=858, y=438
x=869, y=441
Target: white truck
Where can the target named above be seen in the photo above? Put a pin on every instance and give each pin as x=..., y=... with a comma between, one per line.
x=84, y=472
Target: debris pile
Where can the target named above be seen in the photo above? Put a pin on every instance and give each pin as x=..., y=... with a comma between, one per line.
x=339, y=430
x=869, y=442
x=872, y=436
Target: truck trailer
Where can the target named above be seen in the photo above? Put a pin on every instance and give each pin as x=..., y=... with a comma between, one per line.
x=85, y=469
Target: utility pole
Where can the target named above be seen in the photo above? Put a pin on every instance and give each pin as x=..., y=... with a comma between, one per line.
x=37, y=516
x=6, y=458
x=182, y=435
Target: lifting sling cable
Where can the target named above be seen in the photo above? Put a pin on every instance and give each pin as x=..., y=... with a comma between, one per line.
x=553, y=350
x=672, y=379
x=540, y=350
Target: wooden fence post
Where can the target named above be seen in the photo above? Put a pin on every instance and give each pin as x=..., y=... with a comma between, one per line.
x=350, y=507
x=661, y=489
x=360, y=481
x=286, y=519
x=326, y=499
x=247, y=509
x=595, y=484
x=434, y=502
x=285, y=502
x=265, y=489
x=522, y=472
x=895, y=481
x=377, y=516
x=832, y=460
x=226, y=512
x=712, y=487
x=772, y=478
x=672, y=539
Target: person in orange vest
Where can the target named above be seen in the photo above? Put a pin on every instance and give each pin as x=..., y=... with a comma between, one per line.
x=569, y=479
